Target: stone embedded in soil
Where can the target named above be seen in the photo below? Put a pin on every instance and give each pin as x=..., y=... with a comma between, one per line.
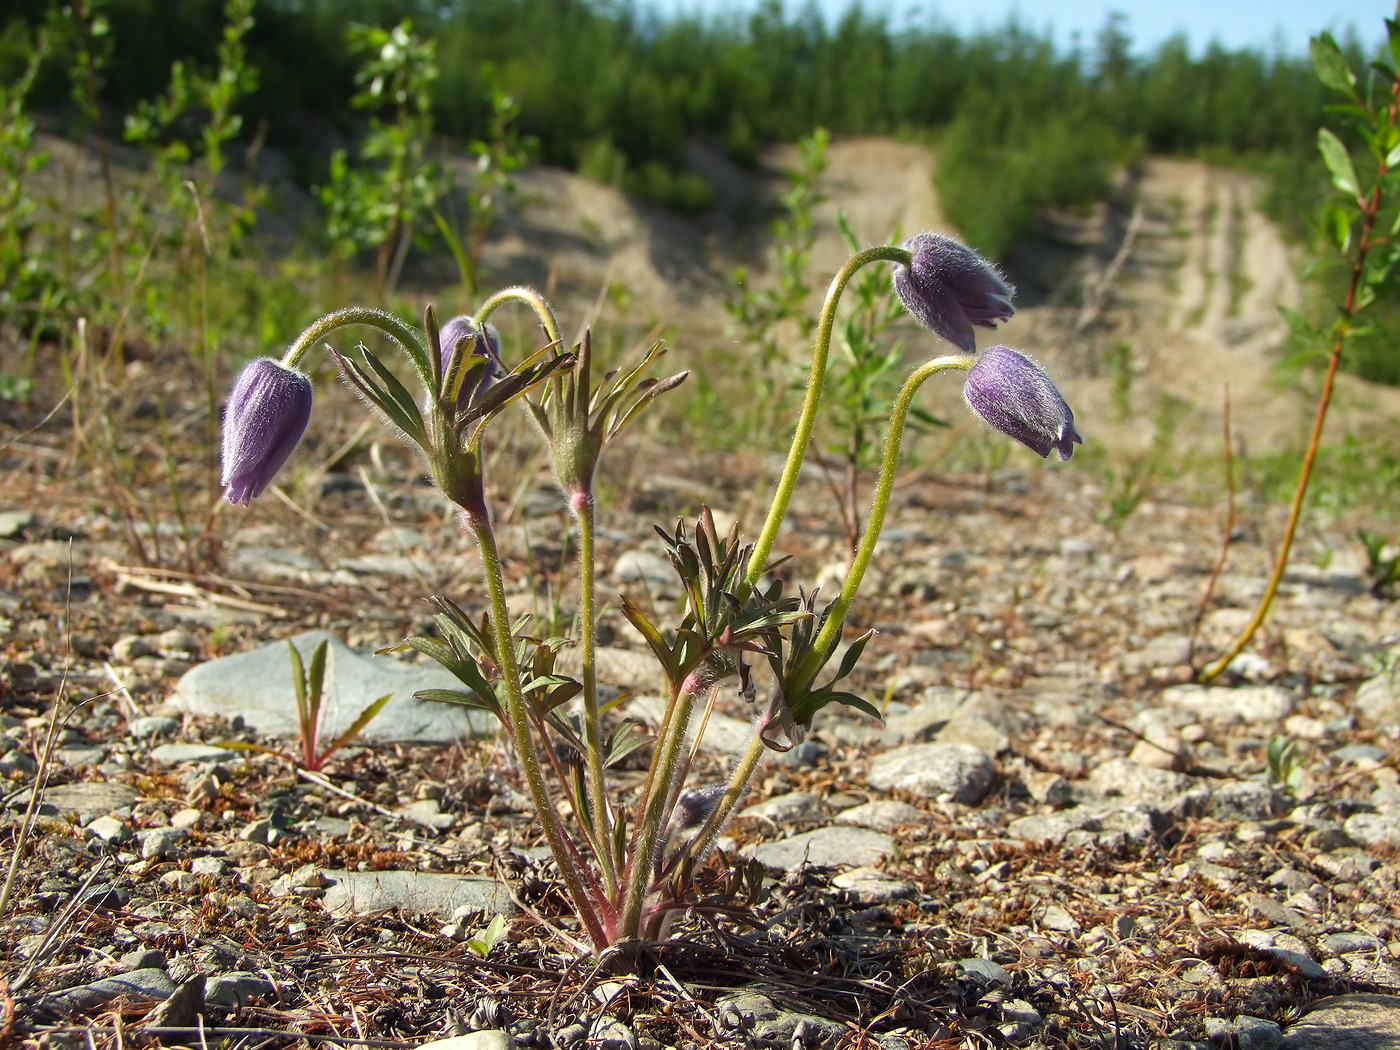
x=755, y=1020
x=150, y=985
x=1244, y=1032
x=365, y=892
x=486, y=1039
x=89, y=800
x=1348, y=1022
x=257, y=685
x=835, y=847
x=958, y=771
x=1374, y=829
x=176, y=754
x=794, y=807
x=1252, y=705
x=872, y=886
x=881, y=814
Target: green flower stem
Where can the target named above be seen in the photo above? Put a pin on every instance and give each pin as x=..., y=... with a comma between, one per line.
x=554, y=833
x=530, y=298
x=386, y=322
x=830, y=632
x=586, y=510
x=806, y=423
x=641, y=863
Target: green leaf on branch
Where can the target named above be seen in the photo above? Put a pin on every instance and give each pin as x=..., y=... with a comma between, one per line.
x=1338, y=161
x=1330, y=64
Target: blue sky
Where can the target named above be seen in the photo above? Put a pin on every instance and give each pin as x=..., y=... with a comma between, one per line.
x=1234, y=23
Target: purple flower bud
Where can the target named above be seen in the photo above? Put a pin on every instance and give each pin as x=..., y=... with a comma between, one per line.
x=950, y=288
x=479, y=374
x=267, y=415
x=1013, y=393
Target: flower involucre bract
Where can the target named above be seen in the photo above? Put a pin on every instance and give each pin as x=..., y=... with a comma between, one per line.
x=1014, y=394
x=268, y=412
x=950, y=288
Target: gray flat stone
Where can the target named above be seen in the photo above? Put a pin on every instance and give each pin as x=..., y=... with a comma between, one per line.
x=1374, y=829
x=871, y=886
x=258, y=686
x=792, y=808
x=958, y=771
x=89, y=800
x=1249, y=704
x=1348, y=1022
x=1244, y=1033
x=882, y=815
x=486, y=1039
x=364, y=892
x=835, y=847
x=150, y=985
x=175, y=754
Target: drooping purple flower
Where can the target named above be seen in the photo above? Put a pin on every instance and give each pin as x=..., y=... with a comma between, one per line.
x=482, y=373
x=267, y=415
x=950, y=288
x=1013, y=393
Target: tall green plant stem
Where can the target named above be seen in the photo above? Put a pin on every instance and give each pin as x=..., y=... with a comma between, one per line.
x=1370, y=207
x=386, y=322
x=545, y=812
x=811, y=664
x=807, y=421
x=586, y=510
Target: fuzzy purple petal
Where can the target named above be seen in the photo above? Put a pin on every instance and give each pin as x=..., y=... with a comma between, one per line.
x=1014, y=394
x=950, y=288
x=267, y=415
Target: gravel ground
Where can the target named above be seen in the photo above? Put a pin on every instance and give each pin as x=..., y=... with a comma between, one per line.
x=1054, y=839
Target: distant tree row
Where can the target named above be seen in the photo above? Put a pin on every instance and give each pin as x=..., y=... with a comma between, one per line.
x=616, y=92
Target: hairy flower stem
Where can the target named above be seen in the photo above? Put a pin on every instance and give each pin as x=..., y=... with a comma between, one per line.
x=806, y=423
x=830, y=633
x=585, y=509
x=554, y=833
x=386, y=322
x=530, y=298
x=660, y=782
x=1370, y=207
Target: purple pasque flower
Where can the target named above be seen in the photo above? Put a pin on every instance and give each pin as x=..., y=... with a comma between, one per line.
x=950, y=288
x=487, y=346
x=266, y=417
x=1013, y=393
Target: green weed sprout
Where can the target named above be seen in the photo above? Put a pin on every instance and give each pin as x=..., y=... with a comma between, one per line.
x=1382, y=563
x=630, y=866
x=1285, y=763
x=309, y=686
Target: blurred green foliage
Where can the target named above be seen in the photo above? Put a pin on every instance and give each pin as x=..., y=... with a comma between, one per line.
x=618, y=92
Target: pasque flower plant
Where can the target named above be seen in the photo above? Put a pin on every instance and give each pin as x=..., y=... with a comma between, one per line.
x=630, y=865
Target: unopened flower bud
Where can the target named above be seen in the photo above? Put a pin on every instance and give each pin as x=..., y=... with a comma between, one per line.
x=1013, y=393
x=950, y=288
x=479, y=374
x=267, y=414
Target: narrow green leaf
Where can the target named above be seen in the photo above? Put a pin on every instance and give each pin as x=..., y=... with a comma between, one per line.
x=1338, y=161
x=456, y=696
x=353, y=730
x=396, y=390
x=304, y=715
